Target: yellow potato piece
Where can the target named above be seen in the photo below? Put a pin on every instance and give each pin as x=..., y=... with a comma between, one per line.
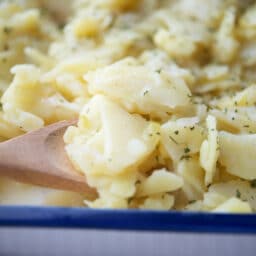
x=160, y=181
x=237, y=154
x=233, y=205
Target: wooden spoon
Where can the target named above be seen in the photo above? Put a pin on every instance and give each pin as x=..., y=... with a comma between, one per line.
x=39, y=158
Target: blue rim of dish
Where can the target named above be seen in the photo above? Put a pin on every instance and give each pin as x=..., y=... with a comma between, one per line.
x=140, y=220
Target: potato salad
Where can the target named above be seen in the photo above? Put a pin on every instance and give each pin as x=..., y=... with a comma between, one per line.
x=164, y=92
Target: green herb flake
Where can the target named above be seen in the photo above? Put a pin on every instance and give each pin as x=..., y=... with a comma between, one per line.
x=192, y=128
x=253, y=183
x=146, y=92
x=7, y=30
x=61, y=26
x=176, y=132
x=186, y=150
x=129, y=200
x=238, y=193
x=158, y=71
x=171, y=138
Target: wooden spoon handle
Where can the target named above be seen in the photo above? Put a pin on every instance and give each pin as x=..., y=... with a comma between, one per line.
x=39, y=158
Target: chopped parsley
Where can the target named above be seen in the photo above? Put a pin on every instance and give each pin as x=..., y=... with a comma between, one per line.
x=253, y=183
x=238, y=194
x=158, y=71
x=170, y=137
x=146, y=92
x=129, y=200
x=176, y=132
x=61, y=26
x=7, y=30
x=186, y=150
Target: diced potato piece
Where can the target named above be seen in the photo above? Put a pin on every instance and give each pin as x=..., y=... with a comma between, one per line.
x=182, y=138
x=26, y=22
x=236, y=188
x=7, y=129
x=212, y=200
x=110, y=140
x=236, y=120
x=120, y=5
x=209, y=151
x=140, y=89
x=226, y=46
x=237, y=154
x=233, y=205
x=160, y=181
x=247, y=22
x=209, y=13
x=158, y=202
x=193, y=176
x=24, y=120
x=30, y=104
x=89, y=22
x=182, y=39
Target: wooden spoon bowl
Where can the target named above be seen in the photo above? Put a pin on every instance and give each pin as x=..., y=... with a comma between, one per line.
x=39, y=158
